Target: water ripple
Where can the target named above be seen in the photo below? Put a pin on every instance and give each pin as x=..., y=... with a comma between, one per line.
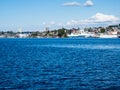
x=60, y=64
x=80, y=46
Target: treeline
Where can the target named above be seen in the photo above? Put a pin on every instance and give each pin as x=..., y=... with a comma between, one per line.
x=60, y=33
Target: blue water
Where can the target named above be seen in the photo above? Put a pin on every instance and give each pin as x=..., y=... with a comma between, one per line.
x=60, y=64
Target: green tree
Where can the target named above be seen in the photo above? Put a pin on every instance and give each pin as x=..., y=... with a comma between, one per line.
x=62, y=32
x=102, y=30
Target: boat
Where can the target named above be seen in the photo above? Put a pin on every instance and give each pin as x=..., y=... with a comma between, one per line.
x=81, y=34
x=108, y=36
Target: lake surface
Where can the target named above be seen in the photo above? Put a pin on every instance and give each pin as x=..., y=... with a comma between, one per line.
x=60, y=64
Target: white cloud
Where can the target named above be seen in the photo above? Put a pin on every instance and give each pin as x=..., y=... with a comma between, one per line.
x=98, y=18
x=88, y=3
x=44, y=23
x=52, y=22
x=48, y=24
x=72, y=22
x=59, y=24
x=71, y=4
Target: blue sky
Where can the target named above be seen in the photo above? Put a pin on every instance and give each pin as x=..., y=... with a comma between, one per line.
x=34, y=15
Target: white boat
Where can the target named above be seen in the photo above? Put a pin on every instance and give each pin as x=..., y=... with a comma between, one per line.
x=86, y=35
x=73, y=35
x=81, y=35
x=108, y=36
